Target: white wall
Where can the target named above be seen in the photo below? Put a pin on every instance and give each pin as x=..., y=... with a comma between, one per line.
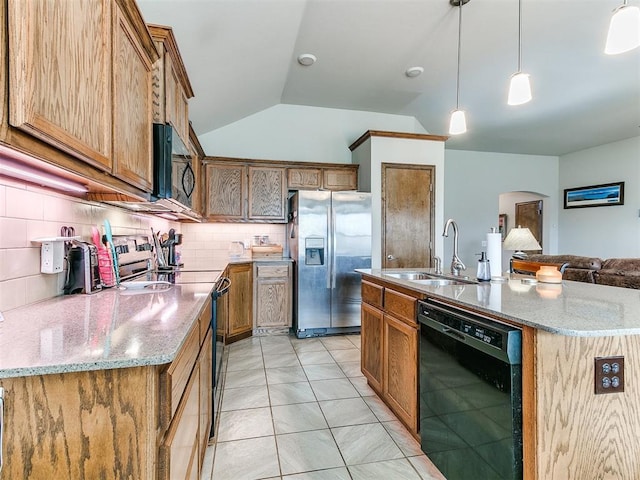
x=301, y=134
x=473, y=183
x=603, y=232
x=377, y=150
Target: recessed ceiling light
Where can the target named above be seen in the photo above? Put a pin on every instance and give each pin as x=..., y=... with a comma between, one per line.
x=307, y=59
x=413, y=71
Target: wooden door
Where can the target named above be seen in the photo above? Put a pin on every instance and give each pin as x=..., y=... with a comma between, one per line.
x=226, y=187
x=206, y=394
x=178, y=453
x=132, y=112
x=529, y=214
x=407, y=215
x=60, y=75
x=401, y=370
x=240, y=301
x=340, y=179
x=272, y=296
x=267, y=193
x=372, y=330
x=304, y=178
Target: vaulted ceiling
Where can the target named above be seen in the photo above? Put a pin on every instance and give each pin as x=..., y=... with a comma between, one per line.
x=241, y=58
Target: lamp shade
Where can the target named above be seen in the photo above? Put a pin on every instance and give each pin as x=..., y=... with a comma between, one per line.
x=519, y=89
x=624, y=30
x=521, y=238
x=458, y=123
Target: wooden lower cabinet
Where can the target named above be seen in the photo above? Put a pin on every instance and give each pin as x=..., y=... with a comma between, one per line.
x=179, y=451
x=389, y=353
x=372, y=331
x=99, y=424
x=148, y=423
x=272, y=296
x=400, y=354
x=240, y=300
x=206, y=393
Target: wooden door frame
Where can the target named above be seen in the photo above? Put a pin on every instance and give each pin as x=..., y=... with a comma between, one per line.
x=383, y=214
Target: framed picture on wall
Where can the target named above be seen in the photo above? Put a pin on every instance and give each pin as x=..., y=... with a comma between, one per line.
x=502, y=225
x=604, y=195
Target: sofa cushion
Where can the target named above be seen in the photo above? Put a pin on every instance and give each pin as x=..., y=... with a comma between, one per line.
x=622, y=265
x=620, y=272
x=574, y=261
x=579, y=275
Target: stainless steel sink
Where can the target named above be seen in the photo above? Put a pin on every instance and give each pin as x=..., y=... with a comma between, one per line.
x=436, y=282
x=434, y=279
x=409, y=275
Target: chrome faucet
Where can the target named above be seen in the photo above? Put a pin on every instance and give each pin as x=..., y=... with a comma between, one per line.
x=456, y=263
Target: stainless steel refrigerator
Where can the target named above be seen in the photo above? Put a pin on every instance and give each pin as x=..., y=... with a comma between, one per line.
x=329, y=236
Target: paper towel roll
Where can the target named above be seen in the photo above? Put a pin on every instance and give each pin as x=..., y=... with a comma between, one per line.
x=494, y=253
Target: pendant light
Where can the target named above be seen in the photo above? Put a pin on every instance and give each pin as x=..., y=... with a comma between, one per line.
x=519, y=86
x=458, y=122
x=624, y=30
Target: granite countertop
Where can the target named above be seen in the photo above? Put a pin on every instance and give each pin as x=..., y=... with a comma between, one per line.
x=252, y=259
x=570, y=308
x=114, y=328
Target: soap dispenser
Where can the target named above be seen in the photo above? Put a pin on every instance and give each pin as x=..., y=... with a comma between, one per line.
x=484, y=269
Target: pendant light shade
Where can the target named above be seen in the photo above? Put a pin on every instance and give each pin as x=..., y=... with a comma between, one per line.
x=519, y=89
x=458, y=122
x=624, y=30
x=519, y=86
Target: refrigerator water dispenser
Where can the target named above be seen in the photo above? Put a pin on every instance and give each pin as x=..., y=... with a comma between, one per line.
x=314, y=251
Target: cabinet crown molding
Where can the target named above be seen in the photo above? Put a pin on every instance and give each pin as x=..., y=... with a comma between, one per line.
x=381, y=133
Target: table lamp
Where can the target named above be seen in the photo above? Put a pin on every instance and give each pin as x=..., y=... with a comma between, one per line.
x=520, y=239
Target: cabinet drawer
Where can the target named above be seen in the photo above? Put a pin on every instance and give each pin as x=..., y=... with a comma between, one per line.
x=400, y=305
x=174, y=380
x=270, y=271
x=372, y=294
x=205, y=321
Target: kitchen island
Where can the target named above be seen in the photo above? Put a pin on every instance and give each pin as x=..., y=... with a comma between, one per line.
x=111, y=385
x=569, y=432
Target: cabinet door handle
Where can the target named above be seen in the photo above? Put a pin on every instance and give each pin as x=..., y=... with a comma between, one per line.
x=1, y=424
x=390, y=257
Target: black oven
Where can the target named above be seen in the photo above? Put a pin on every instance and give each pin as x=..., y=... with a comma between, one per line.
x=470, y=393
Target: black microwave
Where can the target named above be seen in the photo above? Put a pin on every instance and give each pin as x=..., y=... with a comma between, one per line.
x=173, y=177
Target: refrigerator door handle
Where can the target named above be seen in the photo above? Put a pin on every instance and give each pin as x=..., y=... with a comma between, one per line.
x=332, y=264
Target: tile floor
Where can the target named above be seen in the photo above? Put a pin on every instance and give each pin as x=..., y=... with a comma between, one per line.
x=301, y=409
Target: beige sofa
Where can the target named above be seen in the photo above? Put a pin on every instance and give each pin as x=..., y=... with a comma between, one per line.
x=619, y=272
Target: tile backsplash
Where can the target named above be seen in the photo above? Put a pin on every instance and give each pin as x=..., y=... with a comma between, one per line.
x=28, y=212
x=206, y=245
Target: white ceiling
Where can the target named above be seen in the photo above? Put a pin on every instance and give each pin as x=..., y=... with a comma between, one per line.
x=241, y=58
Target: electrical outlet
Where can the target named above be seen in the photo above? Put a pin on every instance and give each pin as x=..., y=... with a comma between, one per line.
x=609, y=377
x=51, y=257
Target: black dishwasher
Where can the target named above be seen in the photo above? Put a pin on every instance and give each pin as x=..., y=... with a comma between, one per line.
x=470, y=393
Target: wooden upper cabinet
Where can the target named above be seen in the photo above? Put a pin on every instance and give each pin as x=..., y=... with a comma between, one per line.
x=304, y=178
x=226, y=190
x=172, y=88
x=326, y=178
x=80, y=81
x=60, y=64
x=340, y=179
x=267, y=193
x=132, y=134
